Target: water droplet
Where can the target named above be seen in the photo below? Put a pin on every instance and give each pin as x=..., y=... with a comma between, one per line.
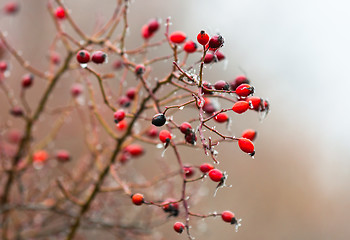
x=182, y=107
x=83, y=65
x=159, y=145
x=163, y=153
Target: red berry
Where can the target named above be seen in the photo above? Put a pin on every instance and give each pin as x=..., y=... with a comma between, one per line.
x=140, y=69
x=83, y=56
x=179, y=227
x=122, y=125
x=16, y=111
x=130, y=93
x=221, y=85
x=63, y=156
x=11, y=7
x=206, y=167
x=216, y=41
x=137, y=199
x=164, y=136
x=207, y=87
x=219, y=55
x=40, y=156
x=76, y=90
x=152, y=132
x=171, y=206
x=146, y=34
x=240, y=107
x=216, y=175
x=119, y=115
x=244, y=90
x=60, y=13
x=221, y=117
x=14, y=136
x=246, y=146
x=27, y=80
x=209, y=57
x=99, y=57
x=118, y=64
x=249, y=134
x=177, y=37
x=153, y=25
x=203, y=38
x=191, y=137
x=238, y=81
x=228, y=216
x=3, y=66
x=254, y=103
x=55, y=58
x=185, y=127
x=124, y=101
x=209, y=108
x=190, y=46
x=134, y=150
x=189, y=171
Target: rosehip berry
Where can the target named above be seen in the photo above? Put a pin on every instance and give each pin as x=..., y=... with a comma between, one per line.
x=238, y=81
x=203, y=38
x=152, y=132
x=216, y=175
x=244, y=90
x=118, y=64
x=228, y=216
x=119, y=115
x=171, y=206
x=134, y=150
x=240, y=107
x=140, y=69
x=60, y=13
x=191, y=137
x=27, y=80
x=254, y=103
x=16, y=111
x=158, y=120
x=221, y=85
x=130, y=93
x=40, y=156
x=206, y=167
x=189, y=171
x=185, y=127
x=164, y=136
x=177, y=37
x=83, y=56
x=209, y=108
x=209, y=57
x=207, y=87
x=137, y=199
x=99, y=57
x=146, y=34
x=179, y=227
x=153, y=25
x=266, y=106
x=221, y=117
x=76, y=89
x=124, y=158
x=190, y=46
x=3, y=66
x=55, y=58
x=246, y=146
x=216, y=41
x=63, y=156
x=11, y=7
x=219, y=55
x=249, y=134
x=122, y=125
x=124, y=101
x=14, y=136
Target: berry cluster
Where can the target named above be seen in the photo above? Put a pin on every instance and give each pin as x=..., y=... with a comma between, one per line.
x=124, y=112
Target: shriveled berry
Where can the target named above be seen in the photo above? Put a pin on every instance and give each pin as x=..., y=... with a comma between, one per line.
x=76, y=89
x=191, y=137
x=216, y=175
x=221, y=118
x=63, y=156
x=206, y=167
x=189, y=171
x=190, y=46
x=164, y=136
x=185, y=127
x=134, y=150
x=177, y=37
x=240, y=107
x=246, y=146
x=228, y=216
x=60, y=13
x=203, y=38
x=83, y=56
x=209, y=57
x=158, y=120
x=27, y=80
x=244, y=90
x=216, y=41
x=119, y=115
x=130, y=93
x=179, y=227
x=99, y=57
x=238, y=81
x=249, y=134
x=153, y=25
x=137, y=199
x=221, y=85
x=254, y=103
x=140, y=69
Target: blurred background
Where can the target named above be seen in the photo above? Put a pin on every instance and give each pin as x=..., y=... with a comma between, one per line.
x=296, y=54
